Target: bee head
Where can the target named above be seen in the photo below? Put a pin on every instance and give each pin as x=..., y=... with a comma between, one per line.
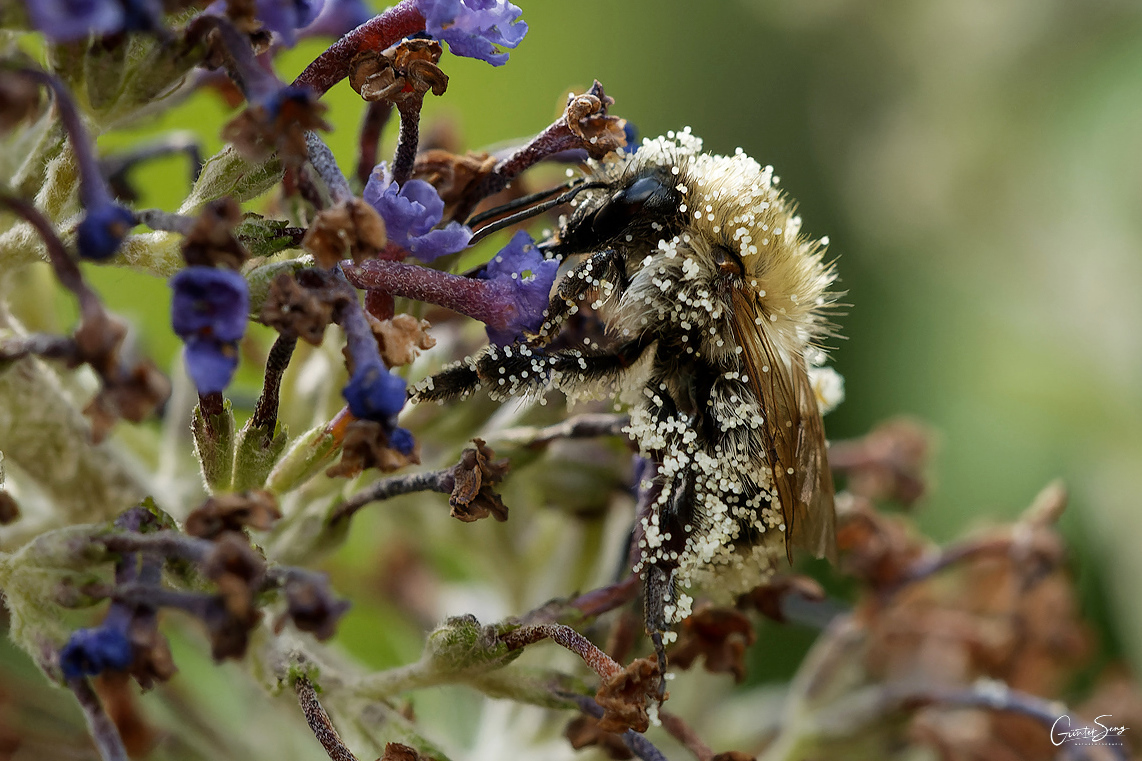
x=632, y=208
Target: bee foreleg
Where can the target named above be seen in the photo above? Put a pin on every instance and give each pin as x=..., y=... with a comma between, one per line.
x=604, y=270
x=521, y=369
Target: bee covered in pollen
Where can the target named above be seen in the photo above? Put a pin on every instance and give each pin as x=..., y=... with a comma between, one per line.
x=715, y=306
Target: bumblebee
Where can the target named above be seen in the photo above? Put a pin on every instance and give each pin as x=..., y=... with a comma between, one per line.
x=715, y=306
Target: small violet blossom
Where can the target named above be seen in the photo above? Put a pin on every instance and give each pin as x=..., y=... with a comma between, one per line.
x=373, y=393
x=473, y=28
x=411, y=214
x=102, y=230
x=106, y=647
x=401, y=440
x=520, y=280
x=337, y=18
x=70, y=20
x=287, y=16
x=209, y=312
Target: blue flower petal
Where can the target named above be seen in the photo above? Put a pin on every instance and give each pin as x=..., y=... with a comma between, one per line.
x=209, y=303
x=473, y=28
x=411, y=214
x=92, y=651
x=373, y=393
x=401, y=440
x=102, y=230
x=524, y=278
x=210, y=364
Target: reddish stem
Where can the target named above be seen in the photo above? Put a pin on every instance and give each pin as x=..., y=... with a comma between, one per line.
x=599, y=662
x=377, y=33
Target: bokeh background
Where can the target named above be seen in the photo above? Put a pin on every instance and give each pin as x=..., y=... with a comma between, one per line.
x=977, y=165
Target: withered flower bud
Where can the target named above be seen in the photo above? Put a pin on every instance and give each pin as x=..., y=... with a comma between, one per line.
x=472, y=496
x=257, y=509
x=401, y=338
x=132, y=395
x=351, y=229
x=407, y=70
x=369, y=444
x=399, y=752
x=455, y=177
x=624, y=696
x=312, y=607
x=277, y=124
x=587, y=118
x=296, y=312
x=211, y=241
x=722, y=635
x=584, y=731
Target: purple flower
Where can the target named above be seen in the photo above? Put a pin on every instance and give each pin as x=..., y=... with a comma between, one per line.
x=210, y=363
x=411, y=213
x=373, y=393
x=102, y=230
x=473, y=28
x=337, y=18
x=401, y=440
x=287, y=16
x=209, y=312
x=68, y=20
x=92, y=651
x=522, y=279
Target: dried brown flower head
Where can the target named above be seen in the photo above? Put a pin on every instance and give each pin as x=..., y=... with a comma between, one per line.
x=583, y=731
x=351, y=229
x=401, y=338
x=455, y=177
x=586, y=117
x=211, y=241
x=312, y=607
x=472, y=495
x=257, y=509
x=407, y=70
x=624, y=696
x=277, y=126
x=721, y=635
x=295, y=311
x=366, y=445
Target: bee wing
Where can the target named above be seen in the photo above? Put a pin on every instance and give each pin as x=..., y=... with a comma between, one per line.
x=792, y=433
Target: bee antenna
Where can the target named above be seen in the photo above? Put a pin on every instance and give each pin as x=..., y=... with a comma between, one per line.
x=518, y=203
x=532, y=211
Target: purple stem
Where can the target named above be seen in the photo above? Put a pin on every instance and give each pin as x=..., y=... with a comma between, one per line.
x=93, y=192
x=65, y=268
x=377, y=33
x=409, y=139
x=479, y=299
x=102, y=729
x=323, y=162
x=255, y=82
x=359, y=338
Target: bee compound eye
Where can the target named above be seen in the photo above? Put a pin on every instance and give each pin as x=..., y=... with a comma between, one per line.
x=625, y=205
x=727, y=261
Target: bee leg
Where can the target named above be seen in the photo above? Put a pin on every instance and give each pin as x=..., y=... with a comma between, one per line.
x=605, y=266
x=657, y=588
x=520, y=369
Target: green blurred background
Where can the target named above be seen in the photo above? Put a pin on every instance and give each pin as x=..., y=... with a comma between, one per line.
x=977, y=165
